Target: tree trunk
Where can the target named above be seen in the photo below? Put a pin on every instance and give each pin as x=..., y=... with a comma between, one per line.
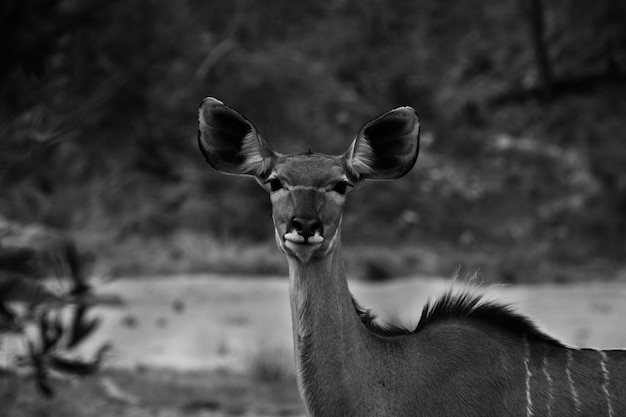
x=534, y=15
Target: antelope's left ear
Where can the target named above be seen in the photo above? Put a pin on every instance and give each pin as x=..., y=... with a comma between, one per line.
x=386, y=147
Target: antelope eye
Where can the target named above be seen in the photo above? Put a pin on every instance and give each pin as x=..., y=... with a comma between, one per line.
x=341, y=187
x=275, y=184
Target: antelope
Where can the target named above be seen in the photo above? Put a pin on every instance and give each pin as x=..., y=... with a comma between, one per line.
x=466, y=357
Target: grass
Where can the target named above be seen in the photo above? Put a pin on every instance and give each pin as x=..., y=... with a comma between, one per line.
x=153, y=392
x=272, y=365
x=185, y=252
x=188, y=252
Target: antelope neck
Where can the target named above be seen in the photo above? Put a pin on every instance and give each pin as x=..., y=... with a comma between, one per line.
x=328, y=335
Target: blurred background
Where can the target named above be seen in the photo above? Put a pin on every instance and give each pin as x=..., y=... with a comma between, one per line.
x=522, y=105
x=521, y=176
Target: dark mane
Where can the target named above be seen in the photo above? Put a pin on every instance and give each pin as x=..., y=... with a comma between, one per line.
x=462, y=306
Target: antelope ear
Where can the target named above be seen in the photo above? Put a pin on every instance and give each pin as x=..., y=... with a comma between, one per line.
x=386, y=147
x=230, y=143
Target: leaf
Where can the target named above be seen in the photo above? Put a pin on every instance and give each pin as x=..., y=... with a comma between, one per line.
x=74, y=261
x=72, y=366
x=50, y=330
x=77, y=366
x=42, y=379
x=43, y=385
x=18, y=288
x=81, y=326
x=9, y=321
x=18, y=260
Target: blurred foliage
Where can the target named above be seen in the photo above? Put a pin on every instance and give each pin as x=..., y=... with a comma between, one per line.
x=42, y=328
x=521, y=104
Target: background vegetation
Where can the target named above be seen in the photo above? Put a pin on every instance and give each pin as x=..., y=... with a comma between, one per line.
x=522, y=103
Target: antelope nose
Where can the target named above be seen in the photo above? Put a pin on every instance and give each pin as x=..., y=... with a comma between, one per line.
x=306, y=227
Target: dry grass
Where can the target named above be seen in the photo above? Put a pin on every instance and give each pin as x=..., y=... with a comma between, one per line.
x=271, y=365
x=187, y=252
x=156, y=393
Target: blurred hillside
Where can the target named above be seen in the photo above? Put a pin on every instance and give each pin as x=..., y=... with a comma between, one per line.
x=522, y=105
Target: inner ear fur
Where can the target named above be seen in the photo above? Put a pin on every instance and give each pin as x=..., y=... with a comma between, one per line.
x=386, y=147
x=230, y=143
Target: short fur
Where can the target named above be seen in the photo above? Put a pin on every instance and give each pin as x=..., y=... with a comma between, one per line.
x=473, y=357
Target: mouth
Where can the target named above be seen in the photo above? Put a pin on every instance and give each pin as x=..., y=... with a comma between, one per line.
x=298, y=239
x=303, y=247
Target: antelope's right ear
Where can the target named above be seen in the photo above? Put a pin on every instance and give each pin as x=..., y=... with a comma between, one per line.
x=230, y=143
x=386, y=147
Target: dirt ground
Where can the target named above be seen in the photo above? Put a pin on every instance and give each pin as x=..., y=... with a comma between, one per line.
x=210, y=322
x=207, y=345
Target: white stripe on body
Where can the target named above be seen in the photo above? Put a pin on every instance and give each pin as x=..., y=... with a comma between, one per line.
x=572, y=388
x=605, y=384
x=549, y=380
x=529, y=400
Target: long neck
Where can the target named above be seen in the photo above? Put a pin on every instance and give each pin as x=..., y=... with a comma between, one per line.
x=328, y=336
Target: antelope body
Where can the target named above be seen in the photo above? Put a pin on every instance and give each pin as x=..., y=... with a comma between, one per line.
x=466, y=357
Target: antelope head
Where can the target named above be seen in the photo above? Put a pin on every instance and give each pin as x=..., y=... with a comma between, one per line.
x=308, y=190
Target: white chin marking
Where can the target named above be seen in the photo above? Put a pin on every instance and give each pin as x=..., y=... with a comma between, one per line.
x=301, y=247
x=316, y=239
x=294, y=237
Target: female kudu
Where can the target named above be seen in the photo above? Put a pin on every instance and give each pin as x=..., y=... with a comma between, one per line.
x=466, y=357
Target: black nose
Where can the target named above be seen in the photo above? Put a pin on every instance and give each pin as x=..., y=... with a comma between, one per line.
x=306, y=227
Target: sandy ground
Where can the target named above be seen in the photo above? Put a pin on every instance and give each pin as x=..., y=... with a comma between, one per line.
x=207, y=322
